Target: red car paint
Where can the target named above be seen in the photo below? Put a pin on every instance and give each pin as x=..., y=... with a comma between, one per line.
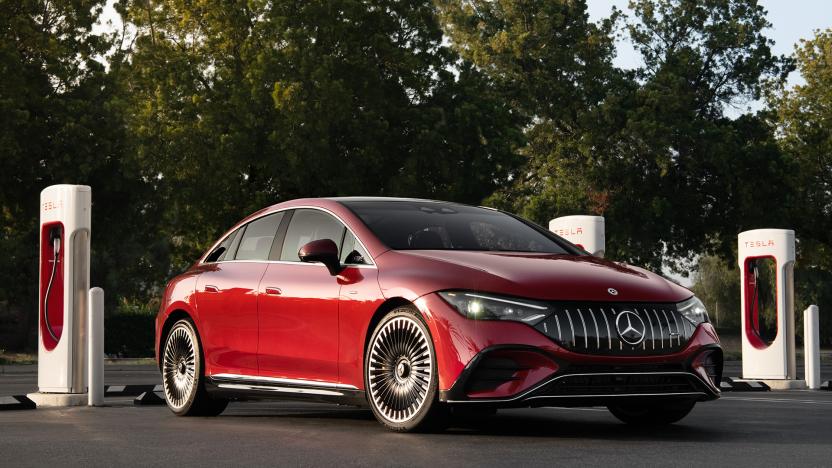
x=296, y=321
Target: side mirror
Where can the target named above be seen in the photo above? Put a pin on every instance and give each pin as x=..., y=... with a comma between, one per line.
x=324, y=251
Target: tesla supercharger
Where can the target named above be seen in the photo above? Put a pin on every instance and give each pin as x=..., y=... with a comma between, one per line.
x=64, y=285
x=766, y=261
x=587, y=232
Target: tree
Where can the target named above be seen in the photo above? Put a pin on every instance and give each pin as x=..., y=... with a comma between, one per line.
x=237, y=106
x=717, y=284
x=59, y=123
x=803, y=115
x=650, y=150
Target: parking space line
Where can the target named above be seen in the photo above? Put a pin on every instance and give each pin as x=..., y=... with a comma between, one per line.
x=576, y=409
x=779, y=400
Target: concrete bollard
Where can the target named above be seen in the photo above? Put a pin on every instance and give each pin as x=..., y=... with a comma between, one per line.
x=811, y=346
x=95, y=356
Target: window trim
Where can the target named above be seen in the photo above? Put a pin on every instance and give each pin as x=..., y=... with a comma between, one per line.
x=371, y=265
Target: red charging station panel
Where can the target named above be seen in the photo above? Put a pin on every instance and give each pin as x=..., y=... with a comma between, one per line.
x=51, y=296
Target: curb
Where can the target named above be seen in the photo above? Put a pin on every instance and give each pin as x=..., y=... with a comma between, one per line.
x=16, y=402
x=735, y=384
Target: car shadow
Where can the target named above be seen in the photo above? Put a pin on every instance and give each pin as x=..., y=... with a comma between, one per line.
x=511, y=423
x=517, y=424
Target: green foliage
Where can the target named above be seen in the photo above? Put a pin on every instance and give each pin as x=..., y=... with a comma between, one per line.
x=60, y=123
x=208, y=110
x=260, y=102
x=717, y=284
x=803, y=116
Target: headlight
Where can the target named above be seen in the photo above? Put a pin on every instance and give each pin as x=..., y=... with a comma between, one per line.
x=490, y=307
x=694, y=310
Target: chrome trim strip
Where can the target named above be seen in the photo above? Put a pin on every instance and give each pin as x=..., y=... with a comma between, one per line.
x=616, y=395
x=597, y=332
x=270, y=388
x=609, y=331
x=669, y=331
x=661, y=332
x=557, y=322
x=583, y=324
x=277, y=380
x=571, y=327
x=652, y=334
x=546, y=382
x=678, y=332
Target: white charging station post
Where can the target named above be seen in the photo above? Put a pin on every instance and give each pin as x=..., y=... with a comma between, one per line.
x=587, y=232
x=65, y=224
x=768, y=346
x=95, y=355
x=811, y=346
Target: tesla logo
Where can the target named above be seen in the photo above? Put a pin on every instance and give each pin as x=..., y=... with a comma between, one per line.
x=759, y=243
x=52, y=205
x=630, y=327
x=612, y=291
x=569, y=231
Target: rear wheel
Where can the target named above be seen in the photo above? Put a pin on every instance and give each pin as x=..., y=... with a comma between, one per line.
x=400, y=374
x=182, y=377
x=652, y=414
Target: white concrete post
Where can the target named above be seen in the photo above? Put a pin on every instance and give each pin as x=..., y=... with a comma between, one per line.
x=811, y=346
x=95, y=355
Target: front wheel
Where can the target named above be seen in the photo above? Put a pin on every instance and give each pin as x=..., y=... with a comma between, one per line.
x=400, y=374
x=653, y=414
x=182, y=377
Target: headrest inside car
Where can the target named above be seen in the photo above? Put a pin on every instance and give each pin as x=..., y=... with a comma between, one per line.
x=426, y=240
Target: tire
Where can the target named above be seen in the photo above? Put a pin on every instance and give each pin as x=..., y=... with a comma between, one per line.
x=400, y=374
x=657, y=414
x=182, y=374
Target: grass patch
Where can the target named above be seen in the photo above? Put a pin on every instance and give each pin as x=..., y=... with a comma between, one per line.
x=13, y=359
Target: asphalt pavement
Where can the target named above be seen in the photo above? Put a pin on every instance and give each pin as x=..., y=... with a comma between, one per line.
x=741, y=429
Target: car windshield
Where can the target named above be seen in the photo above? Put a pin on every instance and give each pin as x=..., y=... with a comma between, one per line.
x=425, y=225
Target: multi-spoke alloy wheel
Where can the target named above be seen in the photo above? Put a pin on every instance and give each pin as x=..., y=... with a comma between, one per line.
x=182, y=374
x=179, y=367
x=400, y=371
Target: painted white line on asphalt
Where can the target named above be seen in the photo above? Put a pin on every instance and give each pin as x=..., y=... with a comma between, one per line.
x=576, y=409
x=779, y=400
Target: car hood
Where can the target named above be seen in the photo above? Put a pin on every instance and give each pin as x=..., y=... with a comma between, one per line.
x=549, y=276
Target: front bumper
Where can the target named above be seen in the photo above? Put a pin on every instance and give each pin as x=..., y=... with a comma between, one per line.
x=511, y=364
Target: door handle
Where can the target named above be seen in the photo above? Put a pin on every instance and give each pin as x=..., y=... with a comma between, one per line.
x=273, y=291
x=211, y=288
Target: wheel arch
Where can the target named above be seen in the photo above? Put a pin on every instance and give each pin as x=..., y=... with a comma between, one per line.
x=383, y=309
x=173, y=317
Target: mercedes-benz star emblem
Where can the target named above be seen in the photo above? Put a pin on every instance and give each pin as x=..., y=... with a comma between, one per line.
x=612, y=291
x=630, y=327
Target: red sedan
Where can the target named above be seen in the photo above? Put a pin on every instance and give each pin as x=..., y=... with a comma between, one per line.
x=420, y=309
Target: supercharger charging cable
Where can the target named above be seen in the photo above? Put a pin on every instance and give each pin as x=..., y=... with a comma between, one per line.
x=55, y=237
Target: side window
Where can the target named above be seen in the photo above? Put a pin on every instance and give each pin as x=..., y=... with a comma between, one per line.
x=308, y=225
x=256, y=241
x=220, y=252
x=352, y=253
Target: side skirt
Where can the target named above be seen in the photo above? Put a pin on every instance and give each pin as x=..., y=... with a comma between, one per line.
x=245, y=387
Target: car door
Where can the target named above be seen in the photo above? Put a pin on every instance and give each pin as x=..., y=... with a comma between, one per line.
x=298, y=306
x=226, y=297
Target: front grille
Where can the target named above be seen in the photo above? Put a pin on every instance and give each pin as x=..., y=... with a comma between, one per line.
x=619, y=384
x=592, y=328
